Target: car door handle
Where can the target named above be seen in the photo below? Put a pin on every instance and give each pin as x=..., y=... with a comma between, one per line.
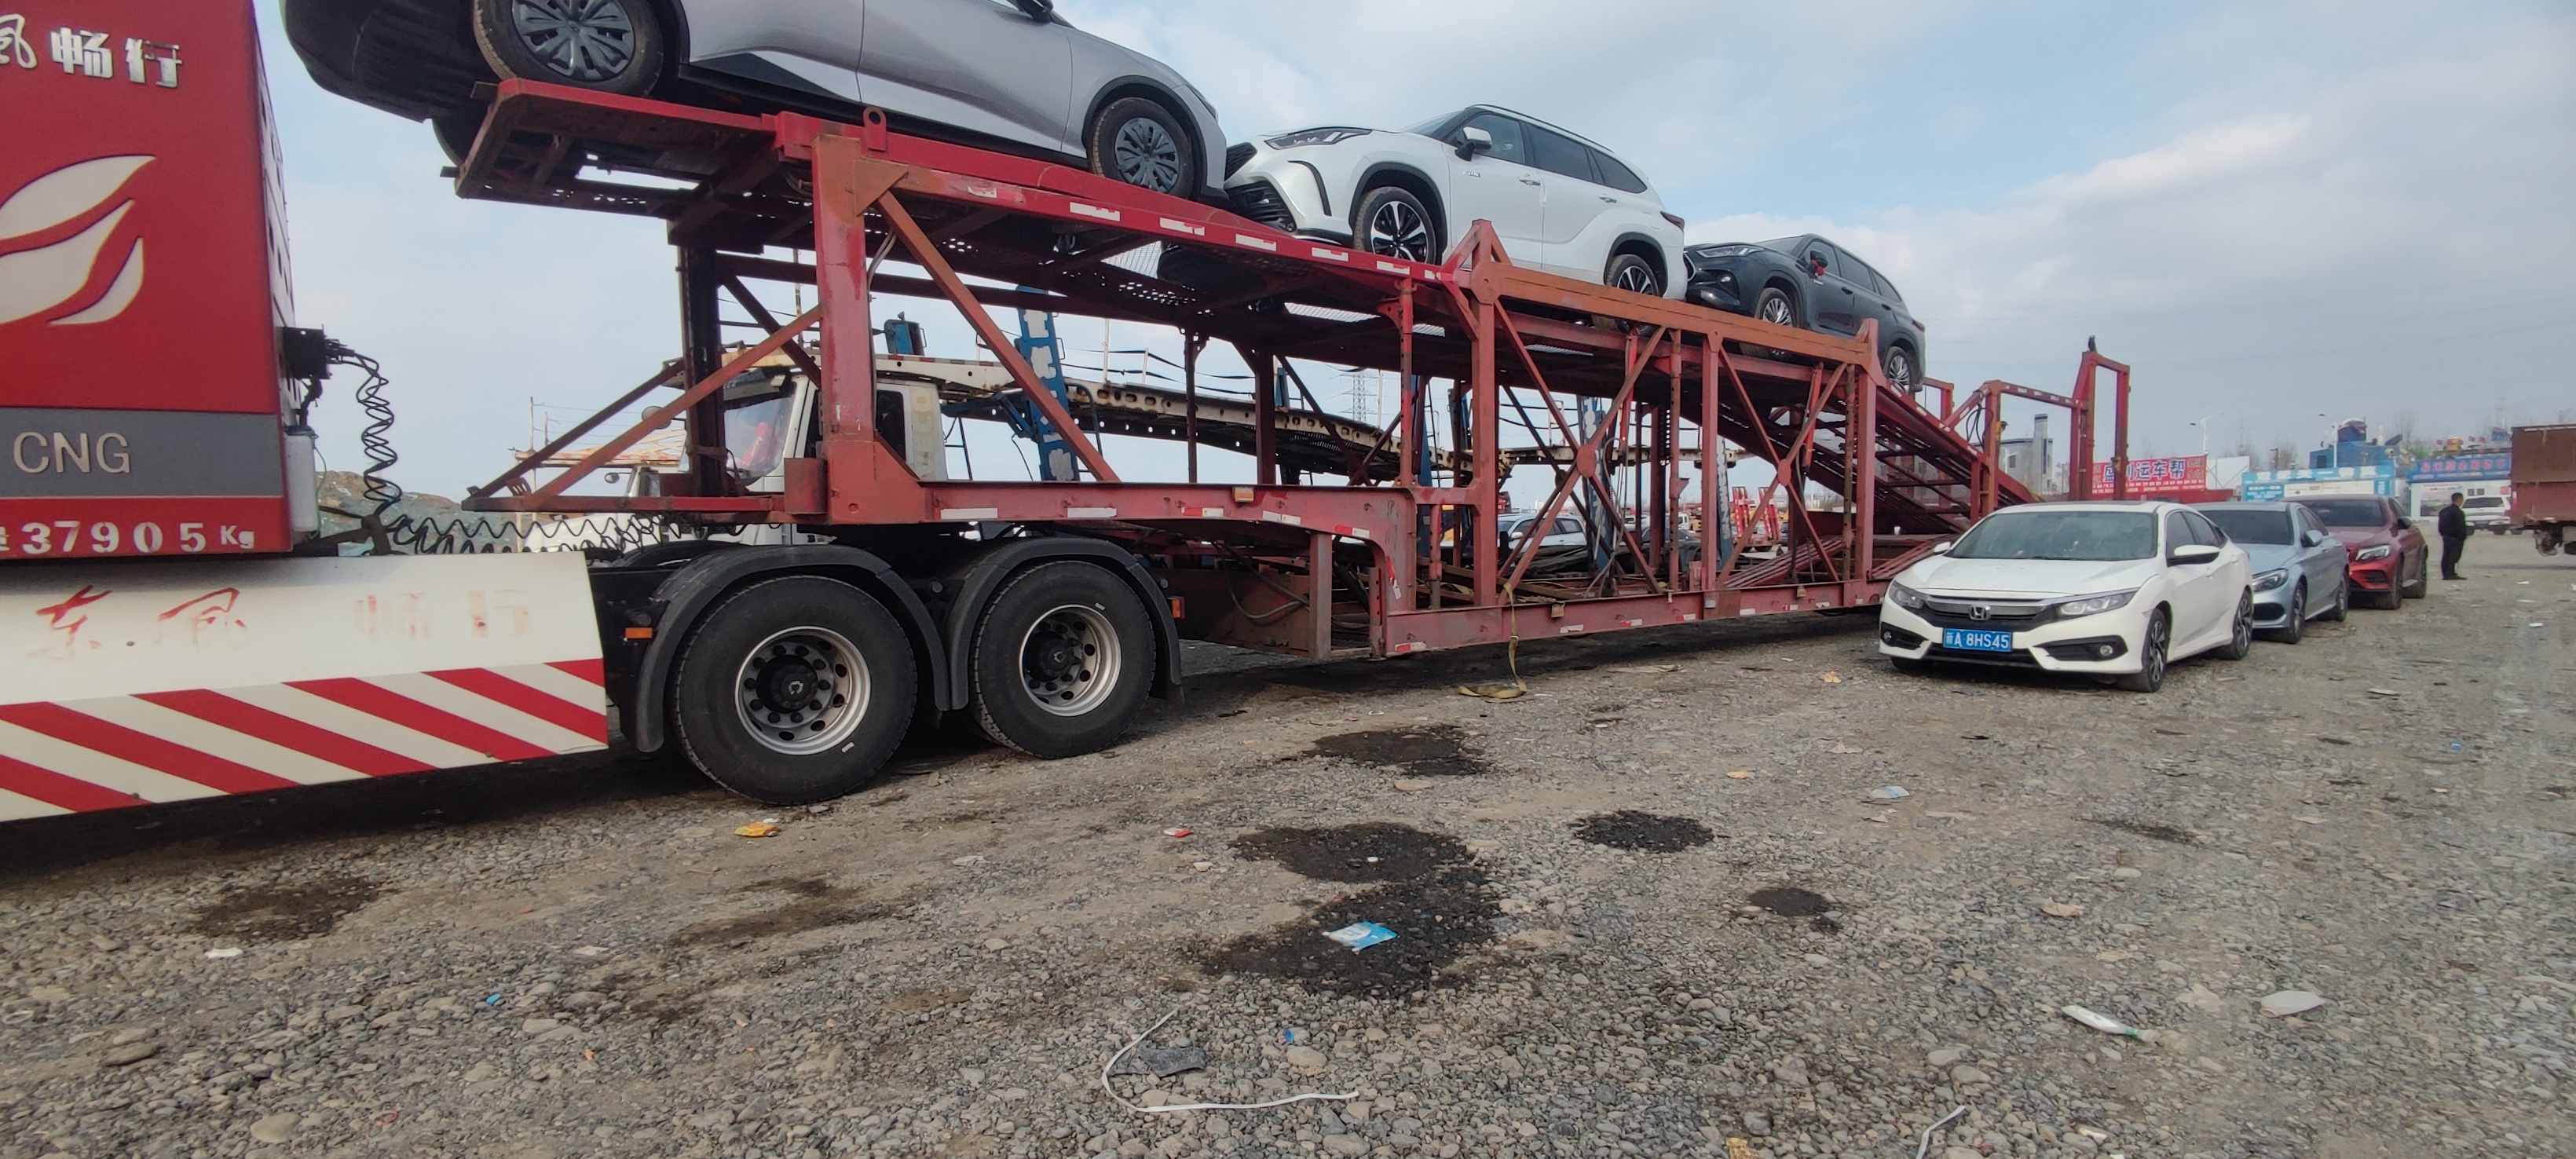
x=1528, y=181
x=1611, y=200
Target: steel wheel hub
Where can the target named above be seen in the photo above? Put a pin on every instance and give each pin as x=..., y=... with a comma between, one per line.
x=1070, y=660
x=1396, y=230
x=1147, y=156
x=587, y=40
x=802, y=691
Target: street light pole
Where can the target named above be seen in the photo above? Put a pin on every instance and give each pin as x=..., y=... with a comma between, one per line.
x=2203, y=424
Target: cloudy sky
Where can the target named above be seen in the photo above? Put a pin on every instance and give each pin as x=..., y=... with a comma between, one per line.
x=2281, y=213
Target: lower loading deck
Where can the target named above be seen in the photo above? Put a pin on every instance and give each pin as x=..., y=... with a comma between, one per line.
x=1633, y=406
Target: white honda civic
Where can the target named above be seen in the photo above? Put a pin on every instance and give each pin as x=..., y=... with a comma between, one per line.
x=1556, y=201
x=2113, y=590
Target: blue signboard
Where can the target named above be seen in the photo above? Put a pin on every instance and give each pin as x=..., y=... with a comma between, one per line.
x=2274, y=486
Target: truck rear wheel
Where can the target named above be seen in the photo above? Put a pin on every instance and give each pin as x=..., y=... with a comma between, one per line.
x=794, y=690
x=1063, y=660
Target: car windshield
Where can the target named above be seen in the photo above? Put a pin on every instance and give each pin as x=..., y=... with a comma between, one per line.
x=1432, y=127
x=1786, y=245
x=2253, y=526
x=2347, y=512
x=2084, y=535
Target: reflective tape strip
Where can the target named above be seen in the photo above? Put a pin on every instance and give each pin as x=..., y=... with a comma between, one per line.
x=140, y=748
x=1091, y=513
x=29, y=791
x=968, y=514
x=335, y=717
x=1178, y=226
x=1282, y=517
x=64, y=758
x=1256, y=243
x=545, y=737
x=288, y=732
x=1094, y=211
x=377, y=701
x=589, y=724
x=216, y=740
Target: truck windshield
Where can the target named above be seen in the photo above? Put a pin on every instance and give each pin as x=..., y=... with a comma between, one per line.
x=2254, y=526
x=2083, y=535
x=2347, y=512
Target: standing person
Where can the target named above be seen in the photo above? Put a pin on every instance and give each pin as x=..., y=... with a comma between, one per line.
x=2454, y=526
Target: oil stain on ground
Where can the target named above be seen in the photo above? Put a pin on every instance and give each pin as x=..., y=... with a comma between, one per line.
x=817, y=904
x=1436, y=750
x=1370, y=851
x=1643, y=832
x=1437, y=901
x=284, y=913
x=1789, y=901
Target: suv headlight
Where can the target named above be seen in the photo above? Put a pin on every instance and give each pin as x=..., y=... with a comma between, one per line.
x=2094, y=605
x=1305, y=137
x=1724, y=251
x=1904, y=597
x=2271, y=579
x=2367, y=554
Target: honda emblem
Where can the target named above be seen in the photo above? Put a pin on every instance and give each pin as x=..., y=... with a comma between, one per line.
x=1980, y=611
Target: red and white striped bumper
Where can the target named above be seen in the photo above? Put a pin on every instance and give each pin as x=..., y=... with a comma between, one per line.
x=128, y=685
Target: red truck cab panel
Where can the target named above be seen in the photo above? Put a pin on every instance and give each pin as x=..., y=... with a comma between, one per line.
x=143, y=278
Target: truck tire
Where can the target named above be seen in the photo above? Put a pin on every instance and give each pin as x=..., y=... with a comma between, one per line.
x=794, y=690
x=1063, y=659
x=607, y=46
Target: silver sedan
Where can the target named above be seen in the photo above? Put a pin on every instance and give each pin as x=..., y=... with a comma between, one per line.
x=2298, y=566
x=1005, y=73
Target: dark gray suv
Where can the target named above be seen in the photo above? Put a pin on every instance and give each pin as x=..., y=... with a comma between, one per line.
x=1811, y=283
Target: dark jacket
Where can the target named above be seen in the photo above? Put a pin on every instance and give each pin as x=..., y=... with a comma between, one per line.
x=2453, y=524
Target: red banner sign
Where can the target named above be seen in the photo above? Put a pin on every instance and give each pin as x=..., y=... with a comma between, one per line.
x=2159, y=476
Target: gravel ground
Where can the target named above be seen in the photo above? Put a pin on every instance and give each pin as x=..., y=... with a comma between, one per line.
x=583, y=959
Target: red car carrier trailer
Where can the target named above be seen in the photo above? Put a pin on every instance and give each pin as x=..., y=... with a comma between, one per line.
x=1046, y=612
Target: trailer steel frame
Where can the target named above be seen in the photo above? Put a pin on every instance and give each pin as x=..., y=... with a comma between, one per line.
x=1616, y=390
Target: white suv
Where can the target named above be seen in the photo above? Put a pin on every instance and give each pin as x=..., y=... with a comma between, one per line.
x=1559, y=203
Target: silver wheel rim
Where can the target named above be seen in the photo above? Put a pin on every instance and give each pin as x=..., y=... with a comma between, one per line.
x=1070, y=660
x=1396, y=229
x=1775, y=310
x=2244, y=630
x=802, y=691
x=1900, y=370
x=2155, y=658
x=1146, y=155
x=587, y=40
x=1635, y=278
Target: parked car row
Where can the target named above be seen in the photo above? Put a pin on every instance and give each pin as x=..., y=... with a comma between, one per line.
x=1015, y=75
x=2120, y=591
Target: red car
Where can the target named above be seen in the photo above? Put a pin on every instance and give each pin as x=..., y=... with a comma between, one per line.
x=2387, y=553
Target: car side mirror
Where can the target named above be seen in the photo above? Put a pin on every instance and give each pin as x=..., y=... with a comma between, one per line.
x=1943, y=547
x=2191, y=553
x=2314, y=538
x=1816, y=267
x=1037, y=9
x=1472, y=141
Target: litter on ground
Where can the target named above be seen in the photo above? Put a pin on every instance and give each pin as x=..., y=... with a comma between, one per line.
x=1361, y=935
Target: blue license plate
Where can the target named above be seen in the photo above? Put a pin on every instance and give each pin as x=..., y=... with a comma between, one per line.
x=1971, y=640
